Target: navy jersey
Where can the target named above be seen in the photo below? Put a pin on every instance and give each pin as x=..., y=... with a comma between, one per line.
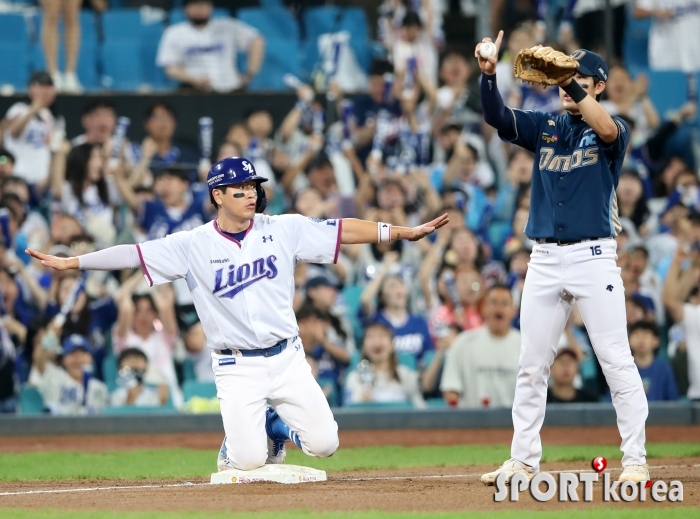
x=158, y=221
x=573, y=178
x=411, y=337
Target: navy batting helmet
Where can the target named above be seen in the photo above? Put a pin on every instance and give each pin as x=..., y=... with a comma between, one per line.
x=236, y=170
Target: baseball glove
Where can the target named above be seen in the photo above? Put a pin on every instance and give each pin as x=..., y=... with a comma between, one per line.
x=544, y=65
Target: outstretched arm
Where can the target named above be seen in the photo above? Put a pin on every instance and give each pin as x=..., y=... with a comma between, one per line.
x=113, y=258
x=363, y=231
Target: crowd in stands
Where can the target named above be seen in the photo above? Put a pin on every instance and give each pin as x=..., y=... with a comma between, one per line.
x=420, y=324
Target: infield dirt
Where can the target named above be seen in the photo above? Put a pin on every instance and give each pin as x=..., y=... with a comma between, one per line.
x=424, y=489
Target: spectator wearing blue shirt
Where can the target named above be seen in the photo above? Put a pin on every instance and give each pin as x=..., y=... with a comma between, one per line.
x=158, y=150
x=657, y=375
x=366, y=106
x=410, y=331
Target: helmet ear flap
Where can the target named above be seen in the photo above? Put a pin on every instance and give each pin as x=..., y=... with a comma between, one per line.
x=261, y=203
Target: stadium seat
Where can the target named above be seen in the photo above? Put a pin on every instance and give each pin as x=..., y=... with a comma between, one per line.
x=667, y=90
x=178, y=15
x=281, y=57
x=635, y=46
x=188, y=370
x=351, y=296
x=14, y=65
x=13, y=28
x=274, y=23
x=109, y=371
x=131, y=26
x=408, y=360
x=87, y=56
x=323, y=20
x=119, y=59
x=202, y=389
x=30, y=401
x=436, y=403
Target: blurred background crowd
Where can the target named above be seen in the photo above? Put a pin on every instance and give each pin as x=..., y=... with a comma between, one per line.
x=386, y=126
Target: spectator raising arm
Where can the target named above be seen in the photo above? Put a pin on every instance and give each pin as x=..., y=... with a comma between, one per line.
x=164, y=299
x=679, y=284
x=256, y=53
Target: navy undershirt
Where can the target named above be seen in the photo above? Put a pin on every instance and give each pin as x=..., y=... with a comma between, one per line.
x=235, y=235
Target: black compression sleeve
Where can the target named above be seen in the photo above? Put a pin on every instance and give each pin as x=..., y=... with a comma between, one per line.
x=495, y=112
x=575, y=92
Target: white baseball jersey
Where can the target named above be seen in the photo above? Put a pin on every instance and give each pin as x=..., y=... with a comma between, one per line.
x=31, y=148
x=243, y=291
x=207, y=52
x=673, y=42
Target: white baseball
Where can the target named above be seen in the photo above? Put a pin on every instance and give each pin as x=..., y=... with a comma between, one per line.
x=487, y=50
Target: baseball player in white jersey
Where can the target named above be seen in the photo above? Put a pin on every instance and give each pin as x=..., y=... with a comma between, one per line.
x=240, y=270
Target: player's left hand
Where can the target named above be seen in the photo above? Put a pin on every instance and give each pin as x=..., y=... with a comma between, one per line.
x=424, y=230
x=53, y=261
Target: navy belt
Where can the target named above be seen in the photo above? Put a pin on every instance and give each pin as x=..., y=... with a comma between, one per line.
x=565, y=243
x=266, y=352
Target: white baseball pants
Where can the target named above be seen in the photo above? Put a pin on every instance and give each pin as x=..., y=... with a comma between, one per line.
x=286, y=380
x=586, y=273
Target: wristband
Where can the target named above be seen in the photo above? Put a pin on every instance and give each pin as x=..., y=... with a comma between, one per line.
x=575, y=92
x=383, y=232
x=301, y=105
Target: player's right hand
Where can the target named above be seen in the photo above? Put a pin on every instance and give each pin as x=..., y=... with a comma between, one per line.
x=488, y=66
x=54, y=262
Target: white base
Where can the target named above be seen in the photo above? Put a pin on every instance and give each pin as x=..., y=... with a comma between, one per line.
x=288, y=474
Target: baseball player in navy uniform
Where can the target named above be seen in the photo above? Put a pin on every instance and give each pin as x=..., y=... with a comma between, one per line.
x=573, y=220
x=240, y=271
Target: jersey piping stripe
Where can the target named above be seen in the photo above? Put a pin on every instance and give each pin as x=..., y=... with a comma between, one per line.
x=337, y=243
x=515, y=122
x=234, y=240
x=144, y=269
x=615, y=225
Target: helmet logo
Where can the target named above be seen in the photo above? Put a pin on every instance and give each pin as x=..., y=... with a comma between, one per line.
x=247, y=167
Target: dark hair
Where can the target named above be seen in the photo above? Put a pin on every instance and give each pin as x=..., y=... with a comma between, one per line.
x=308, y=310
x=411, y=19
x=644, y=326
x=393, y=361
x=97, y=104
x=637, y=301
x=131, y=352
x=319, y=160
x=10, y=201
x=641, y=211
x=256, y=110
x=379, y=67
x=498, y=286
x=12, y=179
x=138, y=297
x=160, y=104
x=76, y=172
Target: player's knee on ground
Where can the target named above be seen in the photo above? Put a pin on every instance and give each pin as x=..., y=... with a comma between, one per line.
x=247, y=457
x=322, y=444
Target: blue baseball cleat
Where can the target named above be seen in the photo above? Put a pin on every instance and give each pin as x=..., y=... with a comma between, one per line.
x=276, y=452
x=222, y=461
